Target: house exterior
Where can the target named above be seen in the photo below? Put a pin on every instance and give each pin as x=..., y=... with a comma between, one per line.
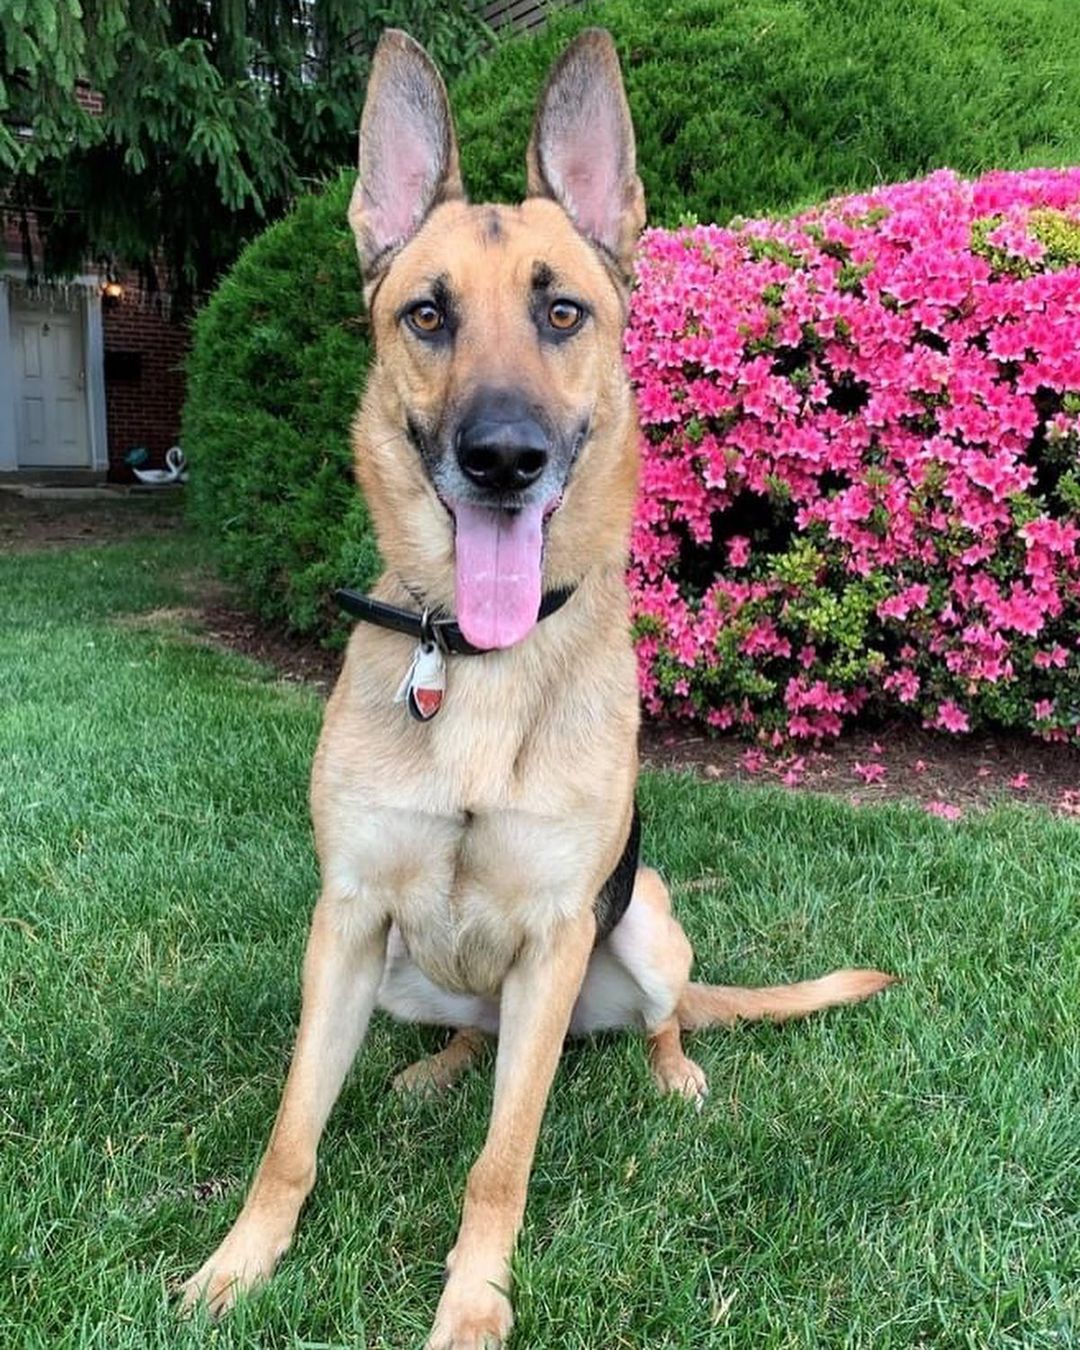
x=91, y=368
x=86, y=376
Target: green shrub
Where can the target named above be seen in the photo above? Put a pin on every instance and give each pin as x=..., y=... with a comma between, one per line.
x=754, y=106
x=273, y=380
x=741, y=106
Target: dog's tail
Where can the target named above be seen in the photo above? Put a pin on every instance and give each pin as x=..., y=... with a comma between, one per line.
x=707, y=1005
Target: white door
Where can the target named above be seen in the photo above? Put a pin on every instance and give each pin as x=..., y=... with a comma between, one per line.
x=51, y=428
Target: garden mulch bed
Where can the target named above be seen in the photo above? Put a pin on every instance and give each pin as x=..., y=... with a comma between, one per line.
x=294, y=658
x=90, y=516
x=893, y=762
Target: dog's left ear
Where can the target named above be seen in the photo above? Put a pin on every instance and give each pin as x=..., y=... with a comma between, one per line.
x=408, y=153
x=582, y=148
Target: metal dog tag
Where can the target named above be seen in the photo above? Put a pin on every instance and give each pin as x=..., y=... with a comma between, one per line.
x=424, y=684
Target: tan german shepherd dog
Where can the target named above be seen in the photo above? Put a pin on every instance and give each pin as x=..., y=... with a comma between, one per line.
x=479, y=868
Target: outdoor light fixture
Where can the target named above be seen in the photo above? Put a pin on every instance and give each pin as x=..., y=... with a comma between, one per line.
x=112, y=290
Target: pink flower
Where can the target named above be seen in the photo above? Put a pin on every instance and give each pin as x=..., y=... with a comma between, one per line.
x=900, y=605
x=738, y=551
x=904, y=684
x=870, y=773
x=951, y=717
x=1020, y=782
x=944, y=810
x=1055, y=658
x=753, y=761
x=1012, y=237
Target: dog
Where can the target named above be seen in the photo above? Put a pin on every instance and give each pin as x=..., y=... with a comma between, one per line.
x=473, y=788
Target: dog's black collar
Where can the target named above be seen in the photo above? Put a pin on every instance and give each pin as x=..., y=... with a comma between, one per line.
x=444, y=632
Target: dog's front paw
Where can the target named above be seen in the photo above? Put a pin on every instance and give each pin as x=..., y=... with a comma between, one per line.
x=473, y=1315
x=243, y=1262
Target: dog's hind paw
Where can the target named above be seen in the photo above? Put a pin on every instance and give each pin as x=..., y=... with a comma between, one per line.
x=681, y=1077
x=435, y=1073
x=425, y=1078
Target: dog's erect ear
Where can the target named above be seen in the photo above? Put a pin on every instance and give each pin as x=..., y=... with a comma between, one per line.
x=582, y=147
x=408, y=154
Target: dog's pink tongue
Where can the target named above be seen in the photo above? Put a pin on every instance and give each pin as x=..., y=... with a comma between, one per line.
x=498, y=573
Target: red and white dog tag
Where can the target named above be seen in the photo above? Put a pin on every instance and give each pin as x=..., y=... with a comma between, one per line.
x=424, y=684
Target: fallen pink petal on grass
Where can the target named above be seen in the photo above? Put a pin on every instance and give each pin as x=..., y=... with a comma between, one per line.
x=790, y=769
x=920, y=766
x=753, y=761
x=1020, y=783
x=944, y=810
x=870, y=773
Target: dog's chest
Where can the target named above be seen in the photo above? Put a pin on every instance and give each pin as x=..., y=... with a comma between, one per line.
x=468, y=891
x=479, y=832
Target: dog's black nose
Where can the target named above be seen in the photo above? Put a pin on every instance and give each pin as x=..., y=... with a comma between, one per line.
x=500, y=445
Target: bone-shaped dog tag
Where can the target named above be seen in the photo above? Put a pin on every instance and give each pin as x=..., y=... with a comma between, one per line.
x=424, y=684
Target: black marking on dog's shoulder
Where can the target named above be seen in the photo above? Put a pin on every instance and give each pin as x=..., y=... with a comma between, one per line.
x=614, y=898
x=493, y=229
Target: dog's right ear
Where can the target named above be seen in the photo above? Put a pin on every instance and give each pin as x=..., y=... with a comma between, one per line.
x=408, y=153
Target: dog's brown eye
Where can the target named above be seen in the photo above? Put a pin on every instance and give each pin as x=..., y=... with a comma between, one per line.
x=426, y=318
x=564, y=315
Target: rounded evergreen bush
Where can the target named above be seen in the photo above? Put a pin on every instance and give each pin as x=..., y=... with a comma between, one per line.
x=740, y=106
x=274, y=377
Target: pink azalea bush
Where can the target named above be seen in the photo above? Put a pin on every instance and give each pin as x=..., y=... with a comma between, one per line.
x=861, y=481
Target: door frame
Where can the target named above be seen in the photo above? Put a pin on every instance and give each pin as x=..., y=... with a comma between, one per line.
x=93, y=336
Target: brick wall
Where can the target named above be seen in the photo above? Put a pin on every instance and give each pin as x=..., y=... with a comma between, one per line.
x=89, y=99
x=144, y=381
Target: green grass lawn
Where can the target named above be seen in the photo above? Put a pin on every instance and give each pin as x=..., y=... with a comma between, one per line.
x=905, y=1173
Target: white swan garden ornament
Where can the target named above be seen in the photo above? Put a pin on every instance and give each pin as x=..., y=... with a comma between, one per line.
x=175, y=470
